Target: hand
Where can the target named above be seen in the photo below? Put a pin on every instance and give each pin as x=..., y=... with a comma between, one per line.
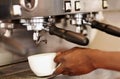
x=75, y=61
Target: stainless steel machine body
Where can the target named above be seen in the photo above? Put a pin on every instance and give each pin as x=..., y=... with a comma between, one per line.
x=32, y=15
x=47, y=7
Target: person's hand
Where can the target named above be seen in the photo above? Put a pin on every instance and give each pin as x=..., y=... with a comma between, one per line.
x=75, y=61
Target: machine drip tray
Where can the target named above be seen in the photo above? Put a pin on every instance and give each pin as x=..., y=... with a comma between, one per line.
x=15, y=70
x=20, y=71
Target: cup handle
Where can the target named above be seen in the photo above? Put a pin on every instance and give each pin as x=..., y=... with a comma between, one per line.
x=54, y=75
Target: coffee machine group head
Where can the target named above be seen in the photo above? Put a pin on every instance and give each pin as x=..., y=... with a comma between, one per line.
x=42, y=15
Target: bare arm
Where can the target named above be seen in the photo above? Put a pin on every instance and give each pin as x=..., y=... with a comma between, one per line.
x=77, y=61
x=106, y=60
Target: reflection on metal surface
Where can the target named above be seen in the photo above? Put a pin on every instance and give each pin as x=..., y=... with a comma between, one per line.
x=29, y=5
x=37, y=8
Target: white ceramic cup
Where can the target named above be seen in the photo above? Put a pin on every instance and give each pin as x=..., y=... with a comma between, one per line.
x=42, y=64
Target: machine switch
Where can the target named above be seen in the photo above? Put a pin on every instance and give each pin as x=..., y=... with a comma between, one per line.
x=68, y=6
x=77, y=6
x=17, y=10
x=105, y=4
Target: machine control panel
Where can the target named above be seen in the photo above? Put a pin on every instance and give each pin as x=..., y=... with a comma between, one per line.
x=72, y=5
x=16, y=9
x=82, y=5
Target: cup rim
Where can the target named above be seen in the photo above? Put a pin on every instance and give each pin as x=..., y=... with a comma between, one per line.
x=32, y=57
x=42, y=54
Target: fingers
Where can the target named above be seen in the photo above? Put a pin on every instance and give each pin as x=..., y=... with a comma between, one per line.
x=59, y=70
x=58, y=58
x=63, y=70
x=60, y=55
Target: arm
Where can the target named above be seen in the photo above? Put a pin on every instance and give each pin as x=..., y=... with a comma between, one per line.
x=106, y=60
x=77, y=61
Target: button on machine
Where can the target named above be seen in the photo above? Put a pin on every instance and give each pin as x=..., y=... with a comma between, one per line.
x=105, y=4
x=68, y=6
x=77, y=6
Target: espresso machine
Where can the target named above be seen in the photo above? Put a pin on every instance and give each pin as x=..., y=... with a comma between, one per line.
x=41, y=15
x=47, y=22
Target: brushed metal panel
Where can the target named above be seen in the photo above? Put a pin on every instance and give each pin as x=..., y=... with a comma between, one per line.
x=113, y=5
x=56, y=7
x=46, y=8
x=52, y=8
